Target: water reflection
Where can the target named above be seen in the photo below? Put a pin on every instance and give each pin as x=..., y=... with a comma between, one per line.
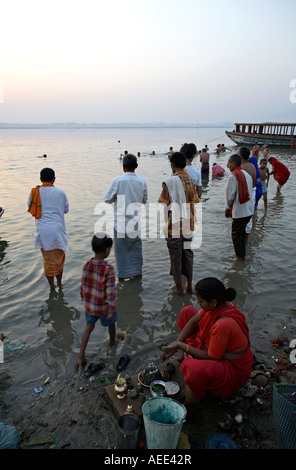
x=129, y=304
x=236, y=277
x=3, y=245
x=205, y=183
x=276, y=205
x=58, y=316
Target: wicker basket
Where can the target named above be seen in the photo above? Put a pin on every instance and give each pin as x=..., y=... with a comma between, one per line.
x=284, y=415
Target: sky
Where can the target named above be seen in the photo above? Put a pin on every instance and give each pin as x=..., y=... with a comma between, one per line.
x=178, y=61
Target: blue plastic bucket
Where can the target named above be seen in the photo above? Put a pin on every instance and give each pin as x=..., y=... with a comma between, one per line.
x=163, y=421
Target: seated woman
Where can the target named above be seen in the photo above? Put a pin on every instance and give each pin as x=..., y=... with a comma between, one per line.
x=215, y=345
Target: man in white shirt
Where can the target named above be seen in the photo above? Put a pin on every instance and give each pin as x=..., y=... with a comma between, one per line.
x=240, y=204
x=128, y=192
x=48, y=205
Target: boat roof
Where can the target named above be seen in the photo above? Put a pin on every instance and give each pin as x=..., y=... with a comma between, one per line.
x=265, y=123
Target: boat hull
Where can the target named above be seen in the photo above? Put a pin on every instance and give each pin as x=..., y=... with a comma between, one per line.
x=250, y=139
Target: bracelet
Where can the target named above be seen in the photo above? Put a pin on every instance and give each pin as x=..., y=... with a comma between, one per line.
x=187, y=346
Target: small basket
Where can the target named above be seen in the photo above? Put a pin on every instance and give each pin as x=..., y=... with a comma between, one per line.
x=284, y=415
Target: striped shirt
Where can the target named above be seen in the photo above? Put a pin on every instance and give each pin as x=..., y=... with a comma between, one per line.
x=98, y=287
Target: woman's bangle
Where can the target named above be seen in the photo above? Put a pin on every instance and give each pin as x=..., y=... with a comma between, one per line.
x=186, y=350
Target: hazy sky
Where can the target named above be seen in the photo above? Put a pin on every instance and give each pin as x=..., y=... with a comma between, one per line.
x=109, y=61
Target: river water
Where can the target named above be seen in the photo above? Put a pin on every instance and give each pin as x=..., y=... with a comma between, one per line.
x=44, y=329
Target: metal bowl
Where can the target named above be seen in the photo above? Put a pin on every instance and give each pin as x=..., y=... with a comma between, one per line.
x=161, y=386
x=172, y=388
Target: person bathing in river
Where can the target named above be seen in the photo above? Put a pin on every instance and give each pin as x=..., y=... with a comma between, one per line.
x=214, y=343
x=280, y=173
x=49, y=204
x=264, y=172
x=179, y=197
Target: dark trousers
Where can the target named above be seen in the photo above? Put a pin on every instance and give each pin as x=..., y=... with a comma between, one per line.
x=238, y=234
x=181, y=257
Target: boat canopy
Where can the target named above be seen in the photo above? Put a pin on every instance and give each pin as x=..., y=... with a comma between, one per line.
x=268, y=128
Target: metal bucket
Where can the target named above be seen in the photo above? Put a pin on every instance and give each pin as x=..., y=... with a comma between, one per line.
x=129, y=426
x=163, y=421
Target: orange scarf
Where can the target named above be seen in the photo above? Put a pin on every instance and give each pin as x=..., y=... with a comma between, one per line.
x=243, y=191
x=35, y=204
x=242, y=185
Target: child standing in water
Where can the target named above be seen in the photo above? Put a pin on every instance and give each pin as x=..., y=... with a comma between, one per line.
x=98, y=292
x=264, y=180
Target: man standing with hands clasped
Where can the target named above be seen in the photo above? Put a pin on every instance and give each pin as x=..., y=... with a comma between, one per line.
x=179, y=197
x=240, y=204
x=49, y=204
x=128, y=192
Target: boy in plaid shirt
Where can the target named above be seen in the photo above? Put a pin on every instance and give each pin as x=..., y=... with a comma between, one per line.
x=98, y=292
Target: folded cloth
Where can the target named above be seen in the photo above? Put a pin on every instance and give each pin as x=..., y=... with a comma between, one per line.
x=177, y=198
x=242, y=185
x=243, y=191
x=35, y=204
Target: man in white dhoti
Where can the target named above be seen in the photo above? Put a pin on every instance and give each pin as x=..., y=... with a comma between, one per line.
x=128, y=192
x=48, y=205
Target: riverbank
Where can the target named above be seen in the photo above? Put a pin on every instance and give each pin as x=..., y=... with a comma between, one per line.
x=74, y=412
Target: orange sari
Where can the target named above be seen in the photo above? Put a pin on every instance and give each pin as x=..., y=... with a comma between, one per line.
x=221, y=378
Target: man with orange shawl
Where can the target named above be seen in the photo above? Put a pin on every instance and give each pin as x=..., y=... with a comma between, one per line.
x=48, y=205
x=280, y=172
x=240, y=204
x=215, y=347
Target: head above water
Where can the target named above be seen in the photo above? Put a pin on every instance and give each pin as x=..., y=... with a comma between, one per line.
x=130, y=162
x=47, y=175
x=210, y=288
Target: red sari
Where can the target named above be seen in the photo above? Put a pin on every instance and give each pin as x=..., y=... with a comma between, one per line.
x=221, y=378
x=281, y=173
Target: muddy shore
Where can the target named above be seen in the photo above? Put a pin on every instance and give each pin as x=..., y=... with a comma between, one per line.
x=74, y=412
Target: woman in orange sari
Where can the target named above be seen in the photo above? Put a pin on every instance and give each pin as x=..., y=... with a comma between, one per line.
x=215, y=345
x=280, y=172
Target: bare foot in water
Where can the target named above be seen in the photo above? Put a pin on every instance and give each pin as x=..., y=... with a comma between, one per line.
x=179, y=290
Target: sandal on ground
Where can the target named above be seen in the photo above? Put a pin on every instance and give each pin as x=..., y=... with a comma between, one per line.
x=123, y=362
x=93, y=367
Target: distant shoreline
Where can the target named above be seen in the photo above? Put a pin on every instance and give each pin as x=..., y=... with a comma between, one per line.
x=74, y=125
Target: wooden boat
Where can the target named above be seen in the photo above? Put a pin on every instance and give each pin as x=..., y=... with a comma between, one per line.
x=274, y=133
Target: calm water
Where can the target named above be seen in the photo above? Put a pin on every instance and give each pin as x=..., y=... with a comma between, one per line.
x=44, y=330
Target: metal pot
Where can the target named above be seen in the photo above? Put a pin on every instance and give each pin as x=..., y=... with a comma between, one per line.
x=157, y=388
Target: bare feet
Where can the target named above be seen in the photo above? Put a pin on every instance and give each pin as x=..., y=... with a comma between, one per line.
x=179, y=289
x=81, y=361
x=179, y=292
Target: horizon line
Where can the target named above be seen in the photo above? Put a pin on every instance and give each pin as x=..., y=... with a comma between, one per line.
x=117, y=124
